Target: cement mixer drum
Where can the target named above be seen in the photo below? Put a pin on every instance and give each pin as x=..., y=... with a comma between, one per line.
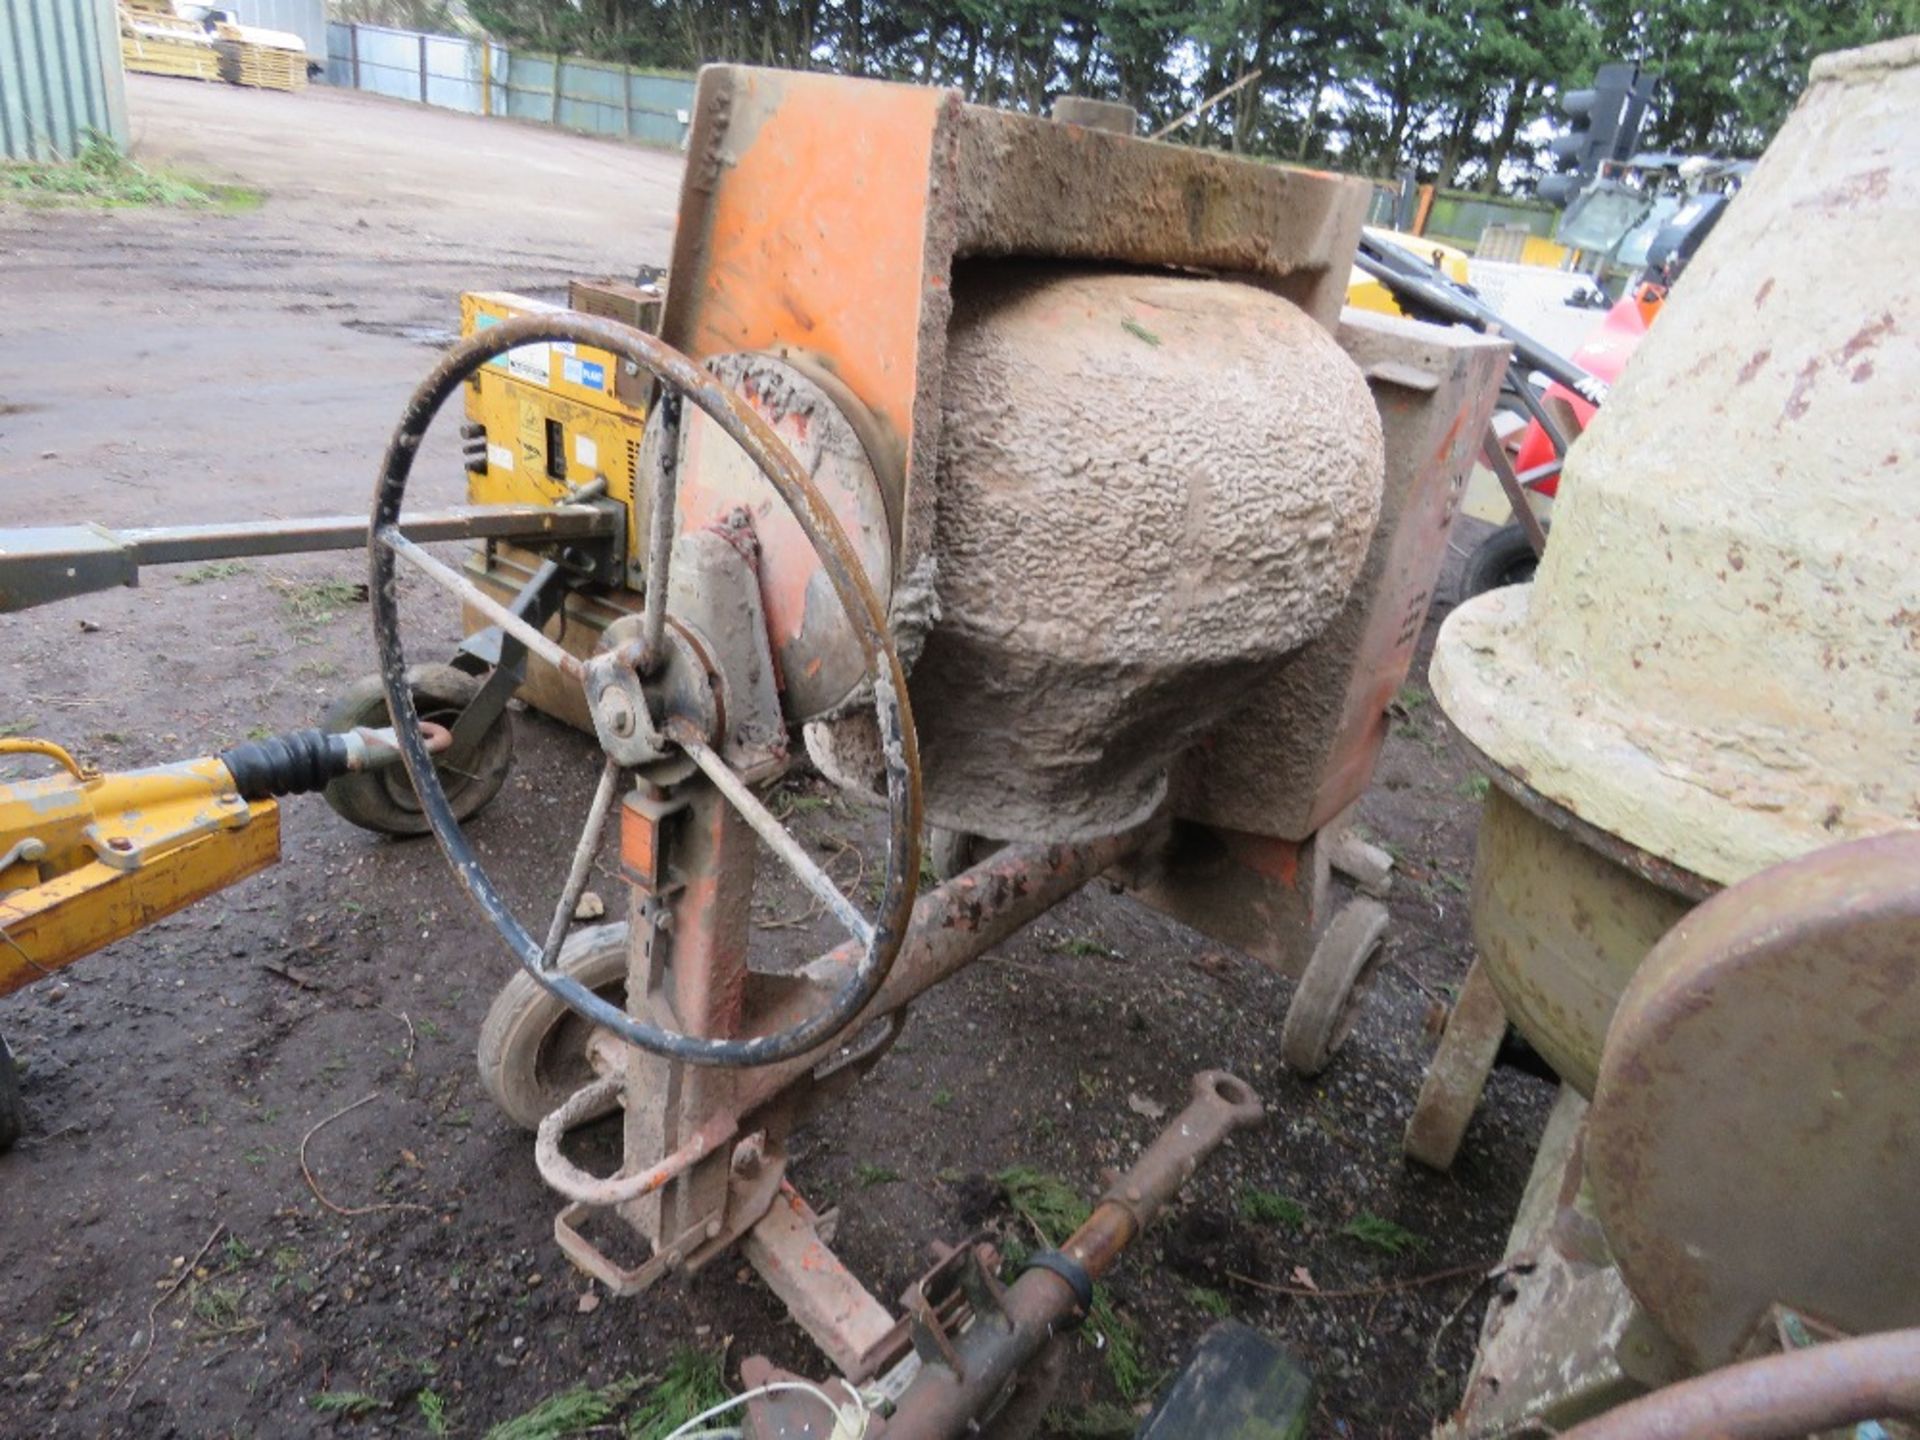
x=1152, y=488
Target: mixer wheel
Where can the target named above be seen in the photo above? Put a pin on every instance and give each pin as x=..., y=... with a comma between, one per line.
x=1322, y=1013
x=533, y=1046
x=951, y=852
x=383, y=800
x=1504, y=558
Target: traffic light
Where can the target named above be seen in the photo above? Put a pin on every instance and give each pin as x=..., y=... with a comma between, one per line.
x=1604, y=125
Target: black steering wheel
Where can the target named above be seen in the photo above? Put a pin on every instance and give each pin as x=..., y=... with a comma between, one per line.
x=614, y=680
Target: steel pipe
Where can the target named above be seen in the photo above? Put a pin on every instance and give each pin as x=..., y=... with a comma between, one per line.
x=1846, y=1382
x=943, y=1402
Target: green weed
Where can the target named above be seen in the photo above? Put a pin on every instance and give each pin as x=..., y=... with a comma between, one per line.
x=571, y=1412
x=867, y=1175
x=316, y=602
x=101, y=175
x=1083, y=947
x=1140, y=332
x=1099, y=1421
x=1269, y=1207
x=1209, y=1302
x=433, y=1412
x=214, y=570
x=1475, y=787
x=354, y=1404
x=693, y=1383
x=1378, y=1233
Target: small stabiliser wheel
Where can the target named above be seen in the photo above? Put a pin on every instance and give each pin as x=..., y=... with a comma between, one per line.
x=1322, y=1012
x=533, y=1046
x=382, y=799
x=1504, y=558
x=952, y=852
x=13, y=1110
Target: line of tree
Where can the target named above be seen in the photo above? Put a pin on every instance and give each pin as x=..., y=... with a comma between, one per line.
x=1450, y=89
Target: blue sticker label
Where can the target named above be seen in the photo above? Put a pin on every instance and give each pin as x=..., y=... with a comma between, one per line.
x=589, y=373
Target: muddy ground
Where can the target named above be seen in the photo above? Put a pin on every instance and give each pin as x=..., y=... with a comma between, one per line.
x=162, y=366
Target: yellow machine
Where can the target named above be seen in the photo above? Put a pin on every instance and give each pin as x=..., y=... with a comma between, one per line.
x=88, y=858
x=1366, y=293
x=549, y=420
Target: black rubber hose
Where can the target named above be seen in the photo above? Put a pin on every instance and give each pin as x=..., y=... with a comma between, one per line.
x=297, y=763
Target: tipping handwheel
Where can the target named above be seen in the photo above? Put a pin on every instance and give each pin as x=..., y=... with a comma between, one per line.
x=660, y=704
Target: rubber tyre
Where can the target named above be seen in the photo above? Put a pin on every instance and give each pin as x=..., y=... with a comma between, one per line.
x=13, y=1110
x=1504, y=558
x=1323, y=1009
x=383, y=800
x=533, y=1049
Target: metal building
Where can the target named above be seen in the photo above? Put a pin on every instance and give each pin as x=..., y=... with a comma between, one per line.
x=60, y=77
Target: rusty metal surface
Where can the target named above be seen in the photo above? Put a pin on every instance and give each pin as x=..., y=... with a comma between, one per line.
x=1302, y=745
x=1755, y=1137
x=1257, y=893
x=823, y=216
x=1010, y=1328
x=1779, y=1397
x=819, y=657
x=838, y=1313
x=1560, y=929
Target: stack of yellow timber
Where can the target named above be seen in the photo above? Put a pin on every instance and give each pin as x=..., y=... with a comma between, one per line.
x=157, y=42
x=266, y=59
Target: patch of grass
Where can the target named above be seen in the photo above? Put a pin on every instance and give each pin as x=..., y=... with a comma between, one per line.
x=238, y=1252
x=354, y=1404
x=316, y=602
x=221, y=1311
x=1475, y=787
x=1270, y=1207
x=1409, y=702
x=1083, y=947
x=214, y=570
x=571, y=1412
x=693, y=1382
x=1120, y=1347
x=929, y=877
x=1099, y=1421
x=1209, y=1302
x=101, y=175
x=433, y=1412
x=1140, y=332
x=794, y=802
x=942, y=1098
x=1378, y=1233
x=867, y=1175
x=10, y=728
x=1053, y=1207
